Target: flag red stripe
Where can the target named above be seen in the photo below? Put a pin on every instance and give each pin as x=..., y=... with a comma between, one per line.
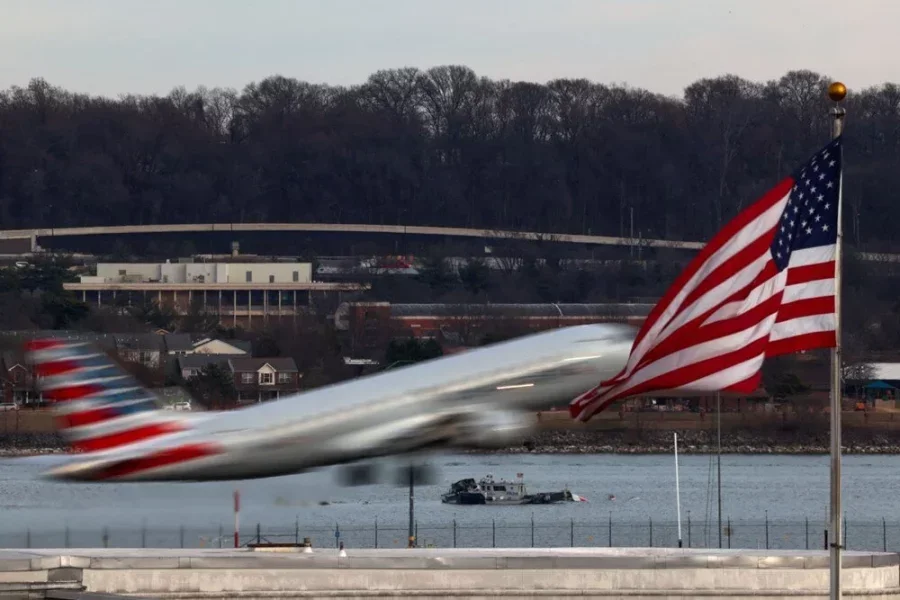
x=129, y=436
x=806, y=307
x=731, y=229
x=805, y=341
x=807, y=273
x=751, y=384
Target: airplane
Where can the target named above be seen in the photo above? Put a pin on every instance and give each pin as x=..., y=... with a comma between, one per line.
x=484, y=398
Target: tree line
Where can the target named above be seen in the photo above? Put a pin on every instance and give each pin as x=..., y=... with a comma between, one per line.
x=442, y=146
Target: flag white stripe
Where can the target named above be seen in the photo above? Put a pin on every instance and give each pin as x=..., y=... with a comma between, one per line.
x=728, y=377
x=811, y=256
x=802, y=326
x=804, y=291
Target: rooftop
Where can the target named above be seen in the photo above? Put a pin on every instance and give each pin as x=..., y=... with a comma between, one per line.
x=279, y=363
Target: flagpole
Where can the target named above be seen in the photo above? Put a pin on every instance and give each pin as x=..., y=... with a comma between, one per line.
x=837, y=92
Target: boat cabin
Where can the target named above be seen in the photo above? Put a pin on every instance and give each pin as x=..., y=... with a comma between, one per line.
x=501, y=490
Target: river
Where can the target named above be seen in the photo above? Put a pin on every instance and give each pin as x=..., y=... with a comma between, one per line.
x=775, y=500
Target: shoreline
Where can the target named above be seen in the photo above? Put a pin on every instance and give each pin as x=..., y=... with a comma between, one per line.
x=647, y=442
x=593, y=450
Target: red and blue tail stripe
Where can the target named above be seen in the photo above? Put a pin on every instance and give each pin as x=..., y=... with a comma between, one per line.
x=98, y=406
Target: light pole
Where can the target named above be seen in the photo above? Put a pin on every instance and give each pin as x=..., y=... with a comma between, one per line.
x=412, y=487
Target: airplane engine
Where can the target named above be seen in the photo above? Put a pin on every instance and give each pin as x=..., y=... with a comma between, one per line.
x=495, y=429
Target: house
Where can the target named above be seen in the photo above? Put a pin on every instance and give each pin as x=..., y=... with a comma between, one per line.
x=17, y=383
x=190, y=365
x=261, y=379
x=221, y=347
x=177, y=343
x=143, y=348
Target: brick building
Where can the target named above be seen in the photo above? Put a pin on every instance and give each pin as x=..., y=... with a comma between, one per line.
x=371, y=325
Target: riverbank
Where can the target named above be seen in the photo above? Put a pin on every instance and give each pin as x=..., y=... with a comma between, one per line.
x=704, y=442
x=855, y=441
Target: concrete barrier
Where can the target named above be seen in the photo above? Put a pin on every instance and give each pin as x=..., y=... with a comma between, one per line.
x=459, y=573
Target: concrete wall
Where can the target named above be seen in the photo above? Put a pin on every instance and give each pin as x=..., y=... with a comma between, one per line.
x=201, y=272
x=210, y=272
x=110, y=271
x=261, y=272
x=458, y=573
x=173, y=273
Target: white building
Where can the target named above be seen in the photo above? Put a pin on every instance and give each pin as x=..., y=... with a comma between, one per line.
x=240, y=293
x=202, y=273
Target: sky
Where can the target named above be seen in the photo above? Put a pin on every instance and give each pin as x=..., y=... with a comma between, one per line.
x=113, y=47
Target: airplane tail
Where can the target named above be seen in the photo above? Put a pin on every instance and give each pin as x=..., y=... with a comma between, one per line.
x=98, y=406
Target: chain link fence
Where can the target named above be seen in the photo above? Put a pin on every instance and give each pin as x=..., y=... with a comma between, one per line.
x=872, y=535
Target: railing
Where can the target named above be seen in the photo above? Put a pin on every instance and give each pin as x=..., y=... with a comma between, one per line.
x=871, y=535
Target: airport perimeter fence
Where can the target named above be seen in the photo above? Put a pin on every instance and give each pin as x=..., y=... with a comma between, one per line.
x=872, y=535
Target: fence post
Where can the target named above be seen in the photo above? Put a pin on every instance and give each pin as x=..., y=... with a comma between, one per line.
x=826, y=538
x=376, y=532
x=883, y=534
x=651, y=532
x=493, y=533
x=729, y=531
x=181, y=535
x=689, y=528
x=297, y=531
x=610, y=529
x=846, y=545
x=532, y=530
x=767, y=530
x=105, y=537
x=221, y=534
x=807, y=533
x=258, y=536
x=572, y=533
x=454, y=533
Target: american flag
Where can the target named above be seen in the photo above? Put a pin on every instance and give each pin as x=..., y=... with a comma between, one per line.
x=764, y=286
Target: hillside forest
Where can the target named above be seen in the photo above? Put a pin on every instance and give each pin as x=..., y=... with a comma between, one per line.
x=447, y=147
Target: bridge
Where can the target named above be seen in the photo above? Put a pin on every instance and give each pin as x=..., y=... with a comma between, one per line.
x=601, y=240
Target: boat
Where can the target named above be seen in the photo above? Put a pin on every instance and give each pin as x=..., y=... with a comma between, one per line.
x=503, y=492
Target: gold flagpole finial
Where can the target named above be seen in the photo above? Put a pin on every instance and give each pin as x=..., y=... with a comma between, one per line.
x=837, y=91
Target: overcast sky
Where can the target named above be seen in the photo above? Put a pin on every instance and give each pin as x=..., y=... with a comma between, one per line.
x=111, y=47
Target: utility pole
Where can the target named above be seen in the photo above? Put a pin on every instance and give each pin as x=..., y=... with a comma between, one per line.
x=412, y=507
